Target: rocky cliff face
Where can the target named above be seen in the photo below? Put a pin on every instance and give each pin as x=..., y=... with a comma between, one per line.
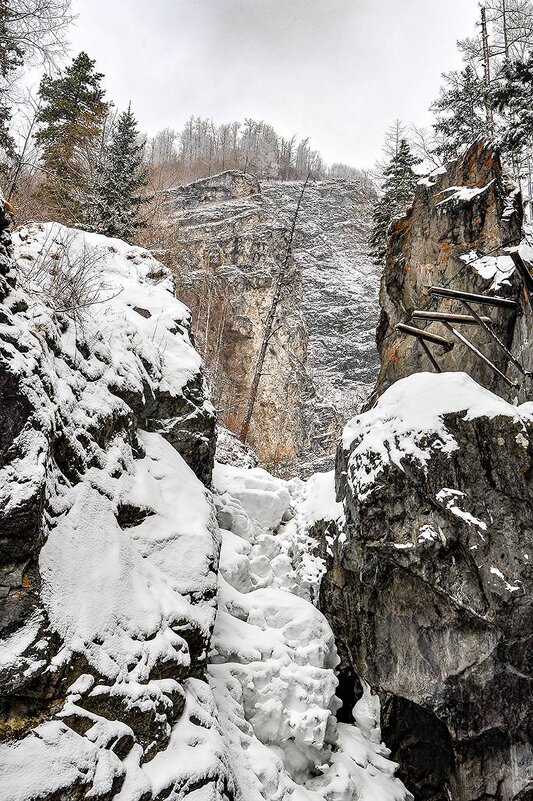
x=429, y=584
x=231, y=241
x=454, y=235
x=432, y=588
x=339, y=302
x=229, y=250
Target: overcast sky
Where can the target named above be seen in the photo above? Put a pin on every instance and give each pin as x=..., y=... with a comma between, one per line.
x=339, y=71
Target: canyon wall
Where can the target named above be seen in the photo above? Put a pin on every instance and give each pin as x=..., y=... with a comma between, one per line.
x=230, y=239
x=454, y=235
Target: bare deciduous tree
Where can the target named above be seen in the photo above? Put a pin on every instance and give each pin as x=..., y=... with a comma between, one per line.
x=66, y=274
x=202, y=148
x=37, y=28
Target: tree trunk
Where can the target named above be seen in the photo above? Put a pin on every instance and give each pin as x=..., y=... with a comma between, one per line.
x=267, y=333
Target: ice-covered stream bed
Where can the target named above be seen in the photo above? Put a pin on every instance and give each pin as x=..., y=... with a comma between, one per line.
x=273, y=657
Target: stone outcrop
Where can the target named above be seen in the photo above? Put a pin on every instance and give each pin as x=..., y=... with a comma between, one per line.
x=430, y=595
x=454, y=234
x=230, y=240
x=521, y=338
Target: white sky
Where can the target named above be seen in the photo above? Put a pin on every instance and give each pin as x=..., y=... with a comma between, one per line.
x=339, y=71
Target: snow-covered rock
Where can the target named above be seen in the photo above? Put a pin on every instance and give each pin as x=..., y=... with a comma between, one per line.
x=109, y=543
x=264, y=499
x=429, y=588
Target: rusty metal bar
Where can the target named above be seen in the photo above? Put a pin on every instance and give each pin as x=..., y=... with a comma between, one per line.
x=492, y=334
x=427, y=335
x=450, y=317
x=472, y=347
x=485, y=300
x=523, y=269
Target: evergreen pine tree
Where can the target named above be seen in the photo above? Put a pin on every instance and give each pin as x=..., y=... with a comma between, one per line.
x=460, y=112
x=121, y=179
x=398, y=189
x=71, y=117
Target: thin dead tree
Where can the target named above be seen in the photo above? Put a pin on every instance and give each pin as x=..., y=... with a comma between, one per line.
x=486, y=71
x=269, y=323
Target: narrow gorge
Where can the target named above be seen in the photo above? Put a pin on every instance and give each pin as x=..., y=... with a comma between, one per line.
x=180, y=624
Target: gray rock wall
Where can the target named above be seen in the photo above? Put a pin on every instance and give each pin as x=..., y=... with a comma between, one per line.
x=227, y=250
x=430, y=595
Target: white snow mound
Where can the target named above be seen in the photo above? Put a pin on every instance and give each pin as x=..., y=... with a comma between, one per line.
x=411, y=413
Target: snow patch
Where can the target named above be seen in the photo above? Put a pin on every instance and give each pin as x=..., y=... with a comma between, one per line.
x=120, y=609
x=448, y=497
x=407, y=423
x=427, y=533
x=511, y=587
x=463, y=194
x=497, y=269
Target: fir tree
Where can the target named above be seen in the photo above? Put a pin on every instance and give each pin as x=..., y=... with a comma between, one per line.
x=71, y=117
x=121, y=179
x=461, y=112
x=513, y=99
x=398, y=188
